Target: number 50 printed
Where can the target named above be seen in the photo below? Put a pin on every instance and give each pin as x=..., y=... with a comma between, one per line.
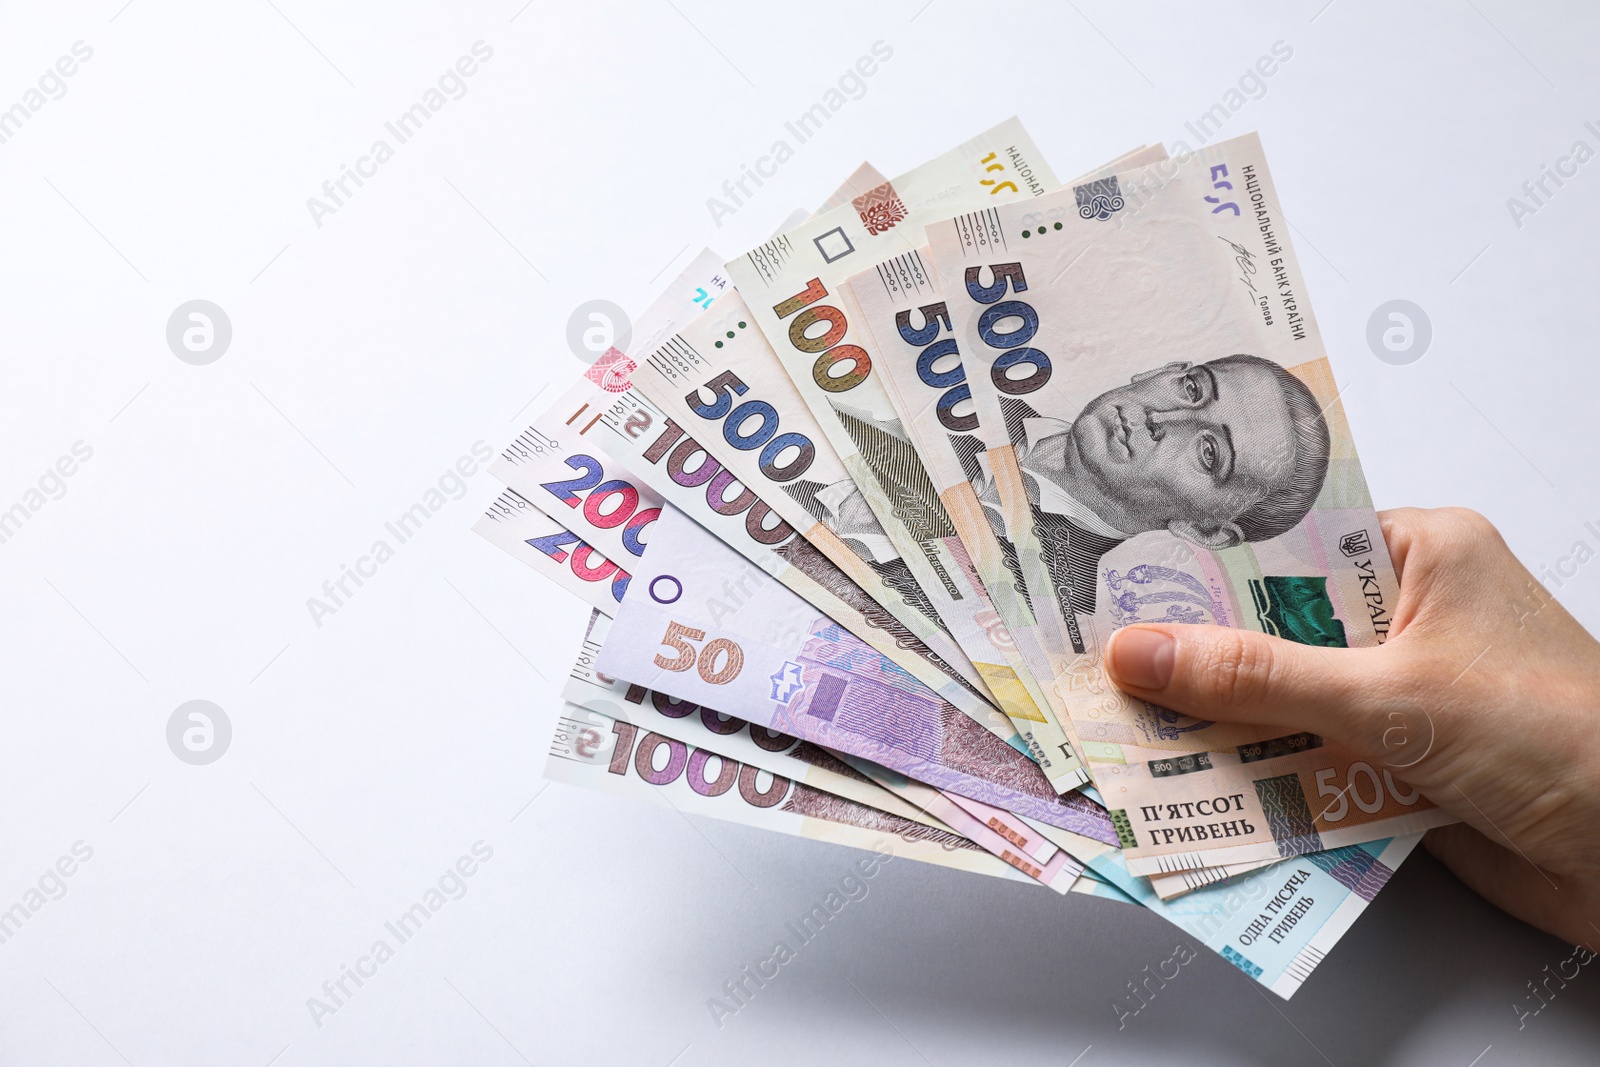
x=719, y=661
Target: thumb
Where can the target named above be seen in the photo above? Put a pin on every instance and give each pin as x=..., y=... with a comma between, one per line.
x=1228, y=675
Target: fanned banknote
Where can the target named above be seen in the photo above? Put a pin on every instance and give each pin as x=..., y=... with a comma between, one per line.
x=749, y=743
x=562, y=556
x=555, y=464
x=919, y=367
x=545, y=467
x=1175, y=884
x=880, y=601
x=891, y=587
x=594, y=751
x=877, y=497
x=551, y=550
x=663, y=457
x=863, y=179
x=758, y=427
x=1275, y=923
x=774, y=658
x=554, y=551
x=1174, y=453
x=999, y=832
x=762, y=442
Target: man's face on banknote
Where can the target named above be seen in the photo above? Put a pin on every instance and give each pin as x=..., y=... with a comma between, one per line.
x=1188, y=447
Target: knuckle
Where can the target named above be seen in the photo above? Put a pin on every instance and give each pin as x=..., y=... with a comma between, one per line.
x=1466, y=527
x=1401, y=521
x=1440, y=542
x=1236, y=670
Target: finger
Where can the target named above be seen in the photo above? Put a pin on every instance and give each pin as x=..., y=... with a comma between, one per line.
x=1228, y=675
x=1506, y=879
x=1432, y=533
x=1401, y=527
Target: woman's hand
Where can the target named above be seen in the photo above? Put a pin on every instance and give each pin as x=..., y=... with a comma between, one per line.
x=1486, y=697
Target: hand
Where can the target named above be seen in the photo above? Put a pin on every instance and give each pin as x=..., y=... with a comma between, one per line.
x=1486, y=697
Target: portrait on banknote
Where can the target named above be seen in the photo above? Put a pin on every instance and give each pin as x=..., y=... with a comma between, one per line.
x=1218, y=454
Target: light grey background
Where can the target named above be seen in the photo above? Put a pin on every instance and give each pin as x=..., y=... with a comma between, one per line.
x=428, y=313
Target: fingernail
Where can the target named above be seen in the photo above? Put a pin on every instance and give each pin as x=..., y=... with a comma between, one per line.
x=1141, y=659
